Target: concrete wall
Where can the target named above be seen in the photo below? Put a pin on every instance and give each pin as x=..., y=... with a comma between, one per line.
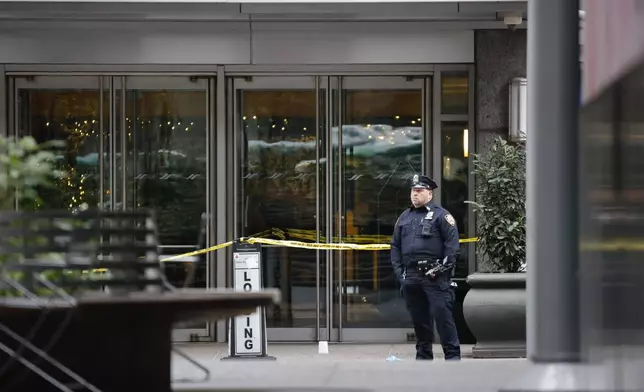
x=208, y=43
x=500, y=56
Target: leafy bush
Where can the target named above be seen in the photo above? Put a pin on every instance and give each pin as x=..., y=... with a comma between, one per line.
x=500, y=207
x=25, y=166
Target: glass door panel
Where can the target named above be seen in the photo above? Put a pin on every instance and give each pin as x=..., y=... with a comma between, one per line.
x=130, y=142
x=166, y=129
x=454, y=183
x=383, y=123
x=68, y=109
x=164, y=133
x=280, y=185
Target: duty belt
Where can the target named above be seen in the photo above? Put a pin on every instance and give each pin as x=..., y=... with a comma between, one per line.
x=419, y=263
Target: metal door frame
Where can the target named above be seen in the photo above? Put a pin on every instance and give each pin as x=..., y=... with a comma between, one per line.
x=180, y=83
x=68, y=82
x=340, y=84
x=220, y=132
x=332, y=115
x=108, y=86
x=282, y=82
x=469, y=118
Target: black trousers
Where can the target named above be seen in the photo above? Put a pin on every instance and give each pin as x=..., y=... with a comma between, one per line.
x=428, y=301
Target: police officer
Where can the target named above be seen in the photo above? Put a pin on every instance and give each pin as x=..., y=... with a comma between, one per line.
x=423, y=253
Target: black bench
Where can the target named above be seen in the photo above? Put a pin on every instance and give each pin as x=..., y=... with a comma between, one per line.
x=108, y=331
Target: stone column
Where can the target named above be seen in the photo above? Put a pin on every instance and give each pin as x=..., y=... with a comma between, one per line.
x=500, y=56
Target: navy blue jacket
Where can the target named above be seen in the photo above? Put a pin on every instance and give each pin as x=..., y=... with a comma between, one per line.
x=409, y=245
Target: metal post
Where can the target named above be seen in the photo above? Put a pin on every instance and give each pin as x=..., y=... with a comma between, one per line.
x=341, y=210
x=112, y=140
x=552, y=205
x=553, y=99
x=4, y=114
x=124, y=145
x=317, y=208
x=328, y=198
x=101, y=143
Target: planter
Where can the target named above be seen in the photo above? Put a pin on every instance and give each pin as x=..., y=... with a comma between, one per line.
x=495, y=311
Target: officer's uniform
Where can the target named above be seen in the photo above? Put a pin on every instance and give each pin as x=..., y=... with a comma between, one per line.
x=427, y=238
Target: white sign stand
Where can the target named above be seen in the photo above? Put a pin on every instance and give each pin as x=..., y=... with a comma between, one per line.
x=247, y=334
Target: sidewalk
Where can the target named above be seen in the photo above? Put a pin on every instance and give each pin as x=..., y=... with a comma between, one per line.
x=309, y=351
x=361, y=366
x=364, y=367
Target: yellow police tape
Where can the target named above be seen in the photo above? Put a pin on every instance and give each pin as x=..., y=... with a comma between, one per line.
x=302, y=234
x=607, y=246
x=295, y=244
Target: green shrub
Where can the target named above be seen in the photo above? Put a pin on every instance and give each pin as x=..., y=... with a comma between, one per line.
x=25, y=166
x=500, y=207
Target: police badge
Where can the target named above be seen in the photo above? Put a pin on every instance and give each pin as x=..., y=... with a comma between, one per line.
x=415, y=180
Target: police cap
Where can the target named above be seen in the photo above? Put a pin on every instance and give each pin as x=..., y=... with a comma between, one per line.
x=423, y=182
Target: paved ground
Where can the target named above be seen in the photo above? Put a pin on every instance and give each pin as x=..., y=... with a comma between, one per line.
x=359, y=367
x=364, y=367
x=309, y=352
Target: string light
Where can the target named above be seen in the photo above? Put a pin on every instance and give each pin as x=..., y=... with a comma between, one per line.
x=283, y=124
x=74, y=184
x=77, y=133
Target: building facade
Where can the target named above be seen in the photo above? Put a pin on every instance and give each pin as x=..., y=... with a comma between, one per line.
x=297, y=121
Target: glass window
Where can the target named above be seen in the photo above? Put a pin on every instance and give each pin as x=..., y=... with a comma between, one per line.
x=454, y=93
x=454, y=182
x=70, y=115
x=165, y=142
x=376, y=188
x=278, y=191
x=167, y=160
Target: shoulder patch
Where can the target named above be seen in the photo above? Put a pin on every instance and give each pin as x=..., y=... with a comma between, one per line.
x=450, y=219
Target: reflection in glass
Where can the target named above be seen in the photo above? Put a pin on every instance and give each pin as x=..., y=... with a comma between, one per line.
x=166, y=134
x=382, y=147
x=278, y=190
x=454, y=93
x=72, y=116
x=165, y=157
x=166, y=172
x=454, y=185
